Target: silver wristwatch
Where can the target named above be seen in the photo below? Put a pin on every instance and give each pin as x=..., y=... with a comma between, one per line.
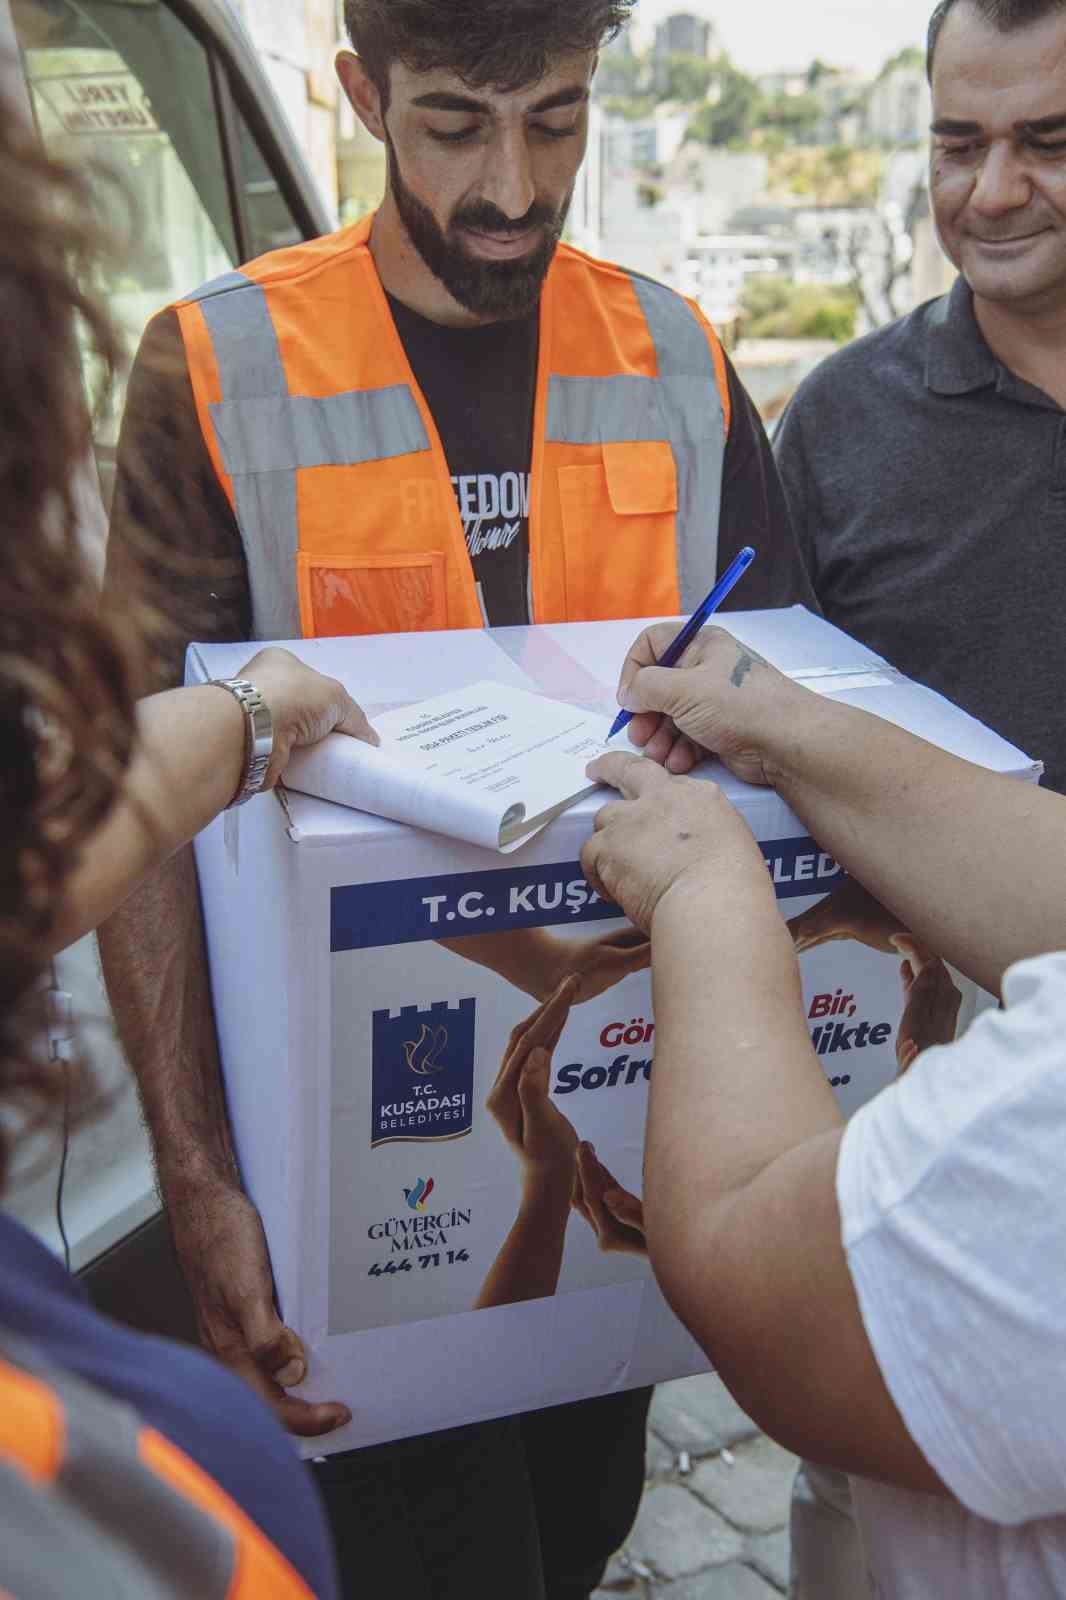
x=258, y=736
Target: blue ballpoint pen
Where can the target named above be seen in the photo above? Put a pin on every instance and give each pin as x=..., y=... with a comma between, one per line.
x=677, y=647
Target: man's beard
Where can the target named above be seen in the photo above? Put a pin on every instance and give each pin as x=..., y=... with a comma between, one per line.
x=502, y=290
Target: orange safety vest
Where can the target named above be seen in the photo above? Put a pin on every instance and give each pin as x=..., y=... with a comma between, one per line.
x=93, y=1503
x=332, y=462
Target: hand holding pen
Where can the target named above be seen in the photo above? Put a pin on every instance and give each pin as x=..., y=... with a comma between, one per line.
x=677, y=647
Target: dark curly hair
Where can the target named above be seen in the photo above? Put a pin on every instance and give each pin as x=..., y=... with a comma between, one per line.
x=503, y=43
x=1006, y=15
x=66, y=705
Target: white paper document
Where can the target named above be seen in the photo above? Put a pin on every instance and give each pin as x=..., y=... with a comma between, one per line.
x=489, y=764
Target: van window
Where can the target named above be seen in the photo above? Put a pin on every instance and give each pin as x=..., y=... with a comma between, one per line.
x=124, y=86
x=268, y=220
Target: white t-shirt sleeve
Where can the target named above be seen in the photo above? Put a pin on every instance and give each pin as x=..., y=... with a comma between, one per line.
x=952, y=1194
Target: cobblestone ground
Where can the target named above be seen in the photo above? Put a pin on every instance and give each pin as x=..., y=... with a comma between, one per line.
x=713, y=1523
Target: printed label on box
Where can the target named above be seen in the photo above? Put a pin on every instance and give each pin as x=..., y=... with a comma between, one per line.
x=534, y=1182
x=422, y=1063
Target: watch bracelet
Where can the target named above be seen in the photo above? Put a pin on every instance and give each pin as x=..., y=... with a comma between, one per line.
x=258, y=736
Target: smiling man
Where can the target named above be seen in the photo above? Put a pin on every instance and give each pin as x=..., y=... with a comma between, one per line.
x=440, y=417
x=998, y=174
x=925, y=465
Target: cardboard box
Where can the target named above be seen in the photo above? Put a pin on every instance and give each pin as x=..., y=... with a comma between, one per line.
x=363, y=1015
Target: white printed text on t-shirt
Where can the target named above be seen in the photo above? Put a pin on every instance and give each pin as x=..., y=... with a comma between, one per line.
x=492, y=507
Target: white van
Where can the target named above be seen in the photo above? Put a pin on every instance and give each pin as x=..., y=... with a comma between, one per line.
x=169, y=95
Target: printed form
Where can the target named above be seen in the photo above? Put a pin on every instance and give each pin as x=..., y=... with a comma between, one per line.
x=489, y=764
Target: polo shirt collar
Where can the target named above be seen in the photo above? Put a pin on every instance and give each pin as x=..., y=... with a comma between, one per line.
x=957, y=358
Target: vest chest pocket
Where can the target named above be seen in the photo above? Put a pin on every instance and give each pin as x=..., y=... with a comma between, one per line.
x=619, y=519
x=382, y=594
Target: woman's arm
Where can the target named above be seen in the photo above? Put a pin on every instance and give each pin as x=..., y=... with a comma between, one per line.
x=187, y=764
x=744, y=1229
x=971, y=862
x=743, y=1133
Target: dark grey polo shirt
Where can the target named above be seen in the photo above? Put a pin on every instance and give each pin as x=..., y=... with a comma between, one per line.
x=927, y=485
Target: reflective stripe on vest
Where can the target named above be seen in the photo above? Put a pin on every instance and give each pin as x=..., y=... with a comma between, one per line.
x=95, y=1504
x=607, y=410
x=265, y=436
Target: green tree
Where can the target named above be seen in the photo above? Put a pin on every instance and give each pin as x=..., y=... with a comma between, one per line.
x=619, y=75
x=763, y=297
x=687, y=77
x=634, y=108
x=776, y=308
x=910, y=56
x=818, y=70
x=833, y=319
x=831, y=175
x=797, y=114
x=730, y=118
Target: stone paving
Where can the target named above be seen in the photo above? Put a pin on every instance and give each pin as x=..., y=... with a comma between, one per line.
x=713, y=1523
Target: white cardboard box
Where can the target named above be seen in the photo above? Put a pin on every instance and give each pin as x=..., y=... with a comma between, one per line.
x=358, y=1049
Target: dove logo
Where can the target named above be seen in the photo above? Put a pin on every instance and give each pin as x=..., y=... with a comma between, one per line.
x=419, y=1193
x=423, y=1074
x=423, y=1054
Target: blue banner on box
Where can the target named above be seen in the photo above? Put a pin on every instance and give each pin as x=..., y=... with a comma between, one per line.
x=366, y=916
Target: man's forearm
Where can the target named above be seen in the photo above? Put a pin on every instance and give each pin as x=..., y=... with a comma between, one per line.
x=155, y=967
x=156, y=970
x=943, y=844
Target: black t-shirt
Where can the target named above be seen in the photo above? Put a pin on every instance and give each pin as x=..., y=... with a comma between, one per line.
x=479, y=385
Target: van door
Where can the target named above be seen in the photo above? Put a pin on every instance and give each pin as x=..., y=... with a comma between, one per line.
x=165, y=102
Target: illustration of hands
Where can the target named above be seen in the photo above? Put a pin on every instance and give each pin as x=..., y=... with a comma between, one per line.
x=930, y=1003
x=851, y=912
x=599, y=964
x=615, y=1216
x=537, y=961
x=520, y=1101
x=544, y=1142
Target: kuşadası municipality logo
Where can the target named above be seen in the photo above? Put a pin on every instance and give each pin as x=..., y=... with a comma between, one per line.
x=423, y=1073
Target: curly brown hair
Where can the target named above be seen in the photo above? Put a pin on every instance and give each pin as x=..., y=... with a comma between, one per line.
x=503, y=43
x=66, y=706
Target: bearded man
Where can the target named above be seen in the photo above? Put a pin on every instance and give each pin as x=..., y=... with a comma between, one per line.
x=441, y=417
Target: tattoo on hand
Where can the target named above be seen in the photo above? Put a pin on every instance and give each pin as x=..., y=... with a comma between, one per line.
x=747, y=660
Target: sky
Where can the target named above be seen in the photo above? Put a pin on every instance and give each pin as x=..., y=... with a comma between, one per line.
x=771, y=35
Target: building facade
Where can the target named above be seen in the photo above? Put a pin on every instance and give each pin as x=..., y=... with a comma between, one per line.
x=297, y=41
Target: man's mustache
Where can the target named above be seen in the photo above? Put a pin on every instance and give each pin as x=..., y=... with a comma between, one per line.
x=484, y=217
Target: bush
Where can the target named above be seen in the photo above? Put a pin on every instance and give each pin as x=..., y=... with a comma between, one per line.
x=776, y=308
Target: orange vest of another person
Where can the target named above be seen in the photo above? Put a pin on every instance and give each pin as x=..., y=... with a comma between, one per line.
x=330, y=457
x=94, y=1504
